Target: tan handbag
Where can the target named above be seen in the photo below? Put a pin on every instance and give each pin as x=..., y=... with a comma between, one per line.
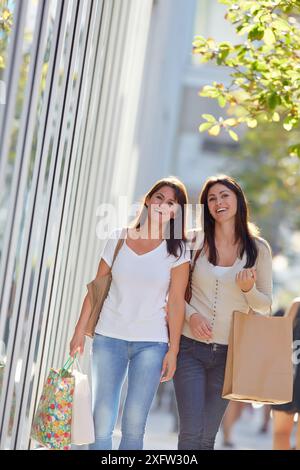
x=259, y=361
x=194, y=256
x=98, y=291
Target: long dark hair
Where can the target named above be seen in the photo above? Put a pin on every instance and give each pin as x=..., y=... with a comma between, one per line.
x=173, y=244
x=245, y=231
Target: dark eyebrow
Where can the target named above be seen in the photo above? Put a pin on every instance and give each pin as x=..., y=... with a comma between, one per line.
x=173, y=200
x=223, y=191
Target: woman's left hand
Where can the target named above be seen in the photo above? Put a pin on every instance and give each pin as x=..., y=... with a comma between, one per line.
x=169, y=366
x=246, y=279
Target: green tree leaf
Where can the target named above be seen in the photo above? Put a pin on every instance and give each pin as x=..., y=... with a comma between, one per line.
x=257, y=33
x=205, y=126
x=251, y=123
x=264, y=68
x=209, y=117
x=233, y=135
x=222, y=101
x=269, y=37
x=215, y=130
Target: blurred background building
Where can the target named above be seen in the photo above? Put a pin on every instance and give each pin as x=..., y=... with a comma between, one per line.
x=101, y=100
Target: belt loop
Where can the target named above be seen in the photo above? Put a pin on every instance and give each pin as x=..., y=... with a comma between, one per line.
x=214, y=347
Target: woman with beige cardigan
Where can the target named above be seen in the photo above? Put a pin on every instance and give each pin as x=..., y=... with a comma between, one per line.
x=232, y=271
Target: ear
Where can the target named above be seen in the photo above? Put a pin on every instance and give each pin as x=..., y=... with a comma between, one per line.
x=147, y=202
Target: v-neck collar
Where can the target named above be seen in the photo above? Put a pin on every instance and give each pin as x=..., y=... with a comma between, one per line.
x=147, y=252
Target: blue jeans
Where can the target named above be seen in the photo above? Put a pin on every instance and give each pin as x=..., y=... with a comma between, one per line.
x=198, y=383
x=112, y=359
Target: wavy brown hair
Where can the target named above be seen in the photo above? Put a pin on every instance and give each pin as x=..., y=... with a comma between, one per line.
x=176, y=241
x=245, y=231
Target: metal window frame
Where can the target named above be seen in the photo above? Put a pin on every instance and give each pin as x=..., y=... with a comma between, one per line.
x=81, y=155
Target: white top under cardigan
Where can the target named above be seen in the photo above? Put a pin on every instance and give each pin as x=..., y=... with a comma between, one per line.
x=216, y=295
x=134, y=308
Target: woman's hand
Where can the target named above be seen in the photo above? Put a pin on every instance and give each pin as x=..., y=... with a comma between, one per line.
x=169, y=366
x=200, y=326
x=246, y=279
x=77, y=343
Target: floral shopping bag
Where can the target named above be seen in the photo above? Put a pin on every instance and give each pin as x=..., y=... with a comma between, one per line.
x=51, y=425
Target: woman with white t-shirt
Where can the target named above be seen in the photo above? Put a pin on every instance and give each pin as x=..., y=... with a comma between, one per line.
x=132, y=338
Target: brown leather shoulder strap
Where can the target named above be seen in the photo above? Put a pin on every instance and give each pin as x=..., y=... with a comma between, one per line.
x=119, y=245
x=194, y=258
x=195, y=254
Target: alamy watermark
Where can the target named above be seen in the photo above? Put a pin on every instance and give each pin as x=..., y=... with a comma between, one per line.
x=296, y=352
x=123, y=214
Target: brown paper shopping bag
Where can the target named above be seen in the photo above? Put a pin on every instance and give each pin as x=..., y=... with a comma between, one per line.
x=259, y=360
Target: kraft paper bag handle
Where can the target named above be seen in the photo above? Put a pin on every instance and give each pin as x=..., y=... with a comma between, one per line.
x=253, y=312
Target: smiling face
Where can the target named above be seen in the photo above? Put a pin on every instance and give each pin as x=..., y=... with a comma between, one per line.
x=222, y=203
x=162, y=205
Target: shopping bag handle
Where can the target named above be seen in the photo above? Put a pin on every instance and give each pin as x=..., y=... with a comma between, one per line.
x=253, y=312
x=68, y=364
x=78, y=364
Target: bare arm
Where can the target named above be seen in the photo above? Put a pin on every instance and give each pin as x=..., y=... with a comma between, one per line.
x=176, y=310
x=176, y=303
x=78, y=339
x=259, y=297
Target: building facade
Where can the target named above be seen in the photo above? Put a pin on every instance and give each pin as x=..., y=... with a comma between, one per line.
x=73, y=79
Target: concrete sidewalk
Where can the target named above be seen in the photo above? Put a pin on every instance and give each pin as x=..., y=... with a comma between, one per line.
x=245, y=434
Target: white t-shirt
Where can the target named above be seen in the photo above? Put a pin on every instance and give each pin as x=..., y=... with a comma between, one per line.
x=220, y=270
x=134, y=307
